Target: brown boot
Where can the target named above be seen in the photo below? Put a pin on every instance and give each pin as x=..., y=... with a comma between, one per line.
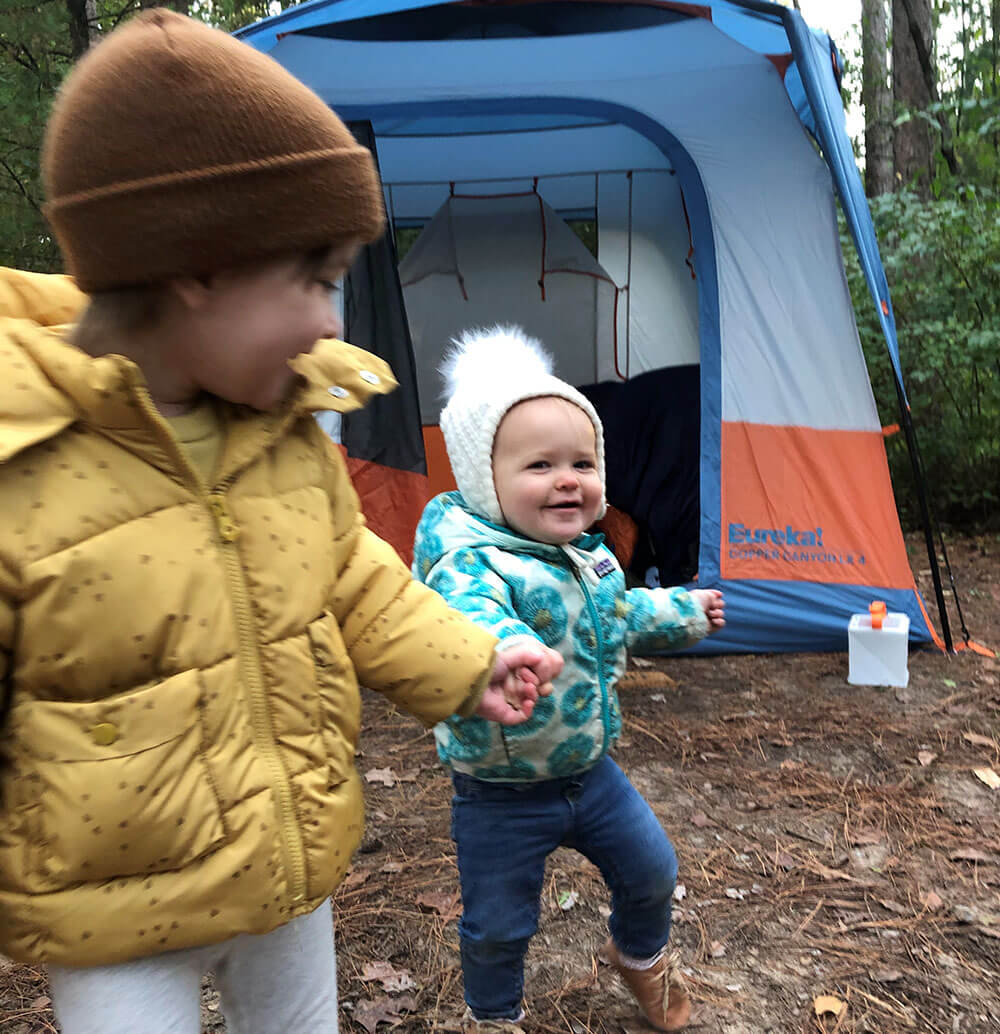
x=659, y=990
x=470, y=1025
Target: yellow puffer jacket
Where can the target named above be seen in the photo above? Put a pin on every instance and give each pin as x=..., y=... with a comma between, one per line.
x=177, y=762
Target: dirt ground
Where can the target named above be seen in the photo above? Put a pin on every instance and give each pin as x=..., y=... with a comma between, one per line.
x=840, y=855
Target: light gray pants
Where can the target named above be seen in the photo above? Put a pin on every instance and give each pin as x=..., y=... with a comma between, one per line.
x=281, y=982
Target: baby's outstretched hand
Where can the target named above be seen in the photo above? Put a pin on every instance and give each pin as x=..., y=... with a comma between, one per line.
x=520, y=676
x=714, y=606
x=542, y=671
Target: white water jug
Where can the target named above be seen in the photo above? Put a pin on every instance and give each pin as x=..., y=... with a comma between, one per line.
x=878, y=648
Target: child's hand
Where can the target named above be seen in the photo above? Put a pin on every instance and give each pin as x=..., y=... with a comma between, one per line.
x=520, y=676
x=714, y=606
x=544, y=671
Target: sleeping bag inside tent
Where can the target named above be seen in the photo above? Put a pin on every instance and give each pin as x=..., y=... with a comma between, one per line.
x=650, y=189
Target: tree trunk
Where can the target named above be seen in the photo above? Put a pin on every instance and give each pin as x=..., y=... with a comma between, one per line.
x=876, y=98
x=913, y=148
x=82, y=25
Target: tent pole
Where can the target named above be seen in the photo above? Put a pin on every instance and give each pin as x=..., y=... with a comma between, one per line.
x=795, y=28
x=925, y=515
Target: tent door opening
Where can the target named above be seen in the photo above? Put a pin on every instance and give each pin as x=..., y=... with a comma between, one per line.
x=616, y=306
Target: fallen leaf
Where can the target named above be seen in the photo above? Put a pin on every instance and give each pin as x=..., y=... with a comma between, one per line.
x=925, y=757
x=42, y=1002
x=641, y=662
x=970, y=854
x=980, y=741
x=409, y=776
x=392, y=867
x=894, y=906
x=716, y=949
x=385, y=776
x=388, y=976
x=355, y=878
x=964, y=914
x=448, y=906
x=950, y=683
x=371, y=1012
x=701, y=820
x=987, y=776
x=887, y=976
x=736, y=893
x=931, y=901
x=824, y=1005
x=785, y=860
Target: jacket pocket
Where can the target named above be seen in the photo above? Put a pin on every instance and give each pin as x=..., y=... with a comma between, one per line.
x=118, y=787
x=339, y=699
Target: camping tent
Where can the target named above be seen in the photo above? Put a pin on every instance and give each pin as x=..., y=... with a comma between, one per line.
x=702, y=145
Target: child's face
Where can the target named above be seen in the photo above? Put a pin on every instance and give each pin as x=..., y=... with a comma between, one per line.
x=246, y=324
x=545, y=470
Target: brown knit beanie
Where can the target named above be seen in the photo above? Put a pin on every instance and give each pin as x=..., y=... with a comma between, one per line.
x=175, y=150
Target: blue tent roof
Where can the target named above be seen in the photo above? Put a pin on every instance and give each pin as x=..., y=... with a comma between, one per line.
x=760, y=26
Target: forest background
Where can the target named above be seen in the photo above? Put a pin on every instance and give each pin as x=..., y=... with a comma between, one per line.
x=922, y=86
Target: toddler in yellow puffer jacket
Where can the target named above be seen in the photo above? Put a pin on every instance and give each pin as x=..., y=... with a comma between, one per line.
x=189, y=597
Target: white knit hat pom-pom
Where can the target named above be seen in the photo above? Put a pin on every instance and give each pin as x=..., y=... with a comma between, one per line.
x=483, y=356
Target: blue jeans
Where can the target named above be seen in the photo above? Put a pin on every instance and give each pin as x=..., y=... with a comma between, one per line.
x=505, y=831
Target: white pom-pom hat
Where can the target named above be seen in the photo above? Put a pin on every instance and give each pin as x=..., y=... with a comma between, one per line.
x=487, y=372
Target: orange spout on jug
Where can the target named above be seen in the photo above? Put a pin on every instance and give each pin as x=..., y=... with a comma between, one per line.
x=877, y=610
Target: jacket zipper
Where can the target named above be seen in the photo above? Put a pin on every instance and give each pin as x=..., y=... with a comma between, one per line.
x=598, y=636
x=249, y=650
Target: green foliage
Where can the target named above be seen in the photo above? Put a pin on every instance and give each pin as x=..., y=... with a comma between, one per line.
x=31, y=66
x=942, y=260
x=36, y=52
x=235, y=14
x=968, y=75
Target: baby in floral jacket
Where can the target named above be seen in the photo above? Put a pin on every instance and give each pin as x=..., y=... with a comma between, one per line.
x=512, y=550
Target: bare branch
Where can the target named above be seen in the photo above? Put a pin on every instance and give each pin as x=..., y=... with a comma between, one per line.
x=20, y=185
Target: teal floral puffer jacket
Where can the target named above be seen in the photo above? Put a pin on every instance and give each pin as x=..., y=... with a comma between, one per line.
x=573, y=598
